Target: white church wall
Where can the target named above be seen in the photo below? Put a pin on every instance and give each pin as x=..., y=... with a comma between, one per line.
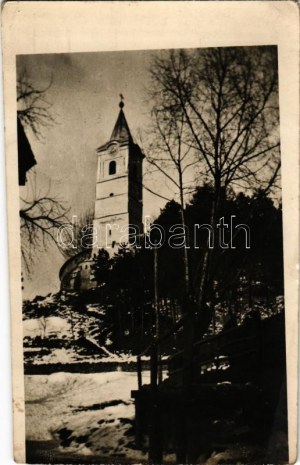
x=115, y=186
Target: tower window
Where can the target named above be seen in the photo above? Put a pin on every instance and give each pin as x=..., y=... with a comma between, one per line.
x=112, y=168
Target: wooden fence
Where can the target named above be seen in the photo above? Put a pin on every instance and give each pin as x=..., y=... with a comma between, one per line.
x=244, y=365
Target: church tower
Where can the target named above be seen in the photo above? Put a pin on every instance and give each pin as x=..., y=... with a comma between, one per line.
x=119, y=191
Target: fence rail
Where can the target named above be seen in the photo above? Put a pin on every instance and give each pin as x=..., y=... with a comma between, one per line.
x=230, y=345
x=252, y=352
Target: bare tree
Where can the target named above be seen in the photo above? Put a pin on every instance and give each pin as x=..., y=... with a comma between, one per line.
x=41, y=213
x=225, y=101
x=168, y=155
x=230, y=104
x=82, y=235
x=33, y=108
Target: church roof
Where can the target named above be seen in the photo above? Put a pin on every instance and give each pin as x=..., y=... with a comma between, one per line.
x=121, y=132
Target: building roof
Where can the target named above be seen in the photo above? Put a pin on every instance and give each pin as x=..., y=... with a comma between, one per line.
x=121, y=132
x=25, y=154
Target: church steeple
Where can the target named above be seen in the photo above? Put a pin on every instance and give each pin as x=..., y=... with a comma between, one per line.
x=119, y=188
x=121, y=131
x=118, y=216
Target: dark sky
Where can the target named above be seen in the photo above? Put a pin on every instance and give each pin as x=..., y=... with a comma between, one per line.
x=84, y=98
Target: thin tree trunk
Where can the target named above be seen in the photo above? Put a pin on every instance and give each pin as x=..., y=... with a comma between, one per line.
x=207, y=253
x=185, y=250
x=156, y=293
x=156, y=305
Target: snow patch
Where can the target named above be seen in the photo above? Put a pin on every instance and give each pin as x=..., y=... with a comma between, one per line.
x=86, y=414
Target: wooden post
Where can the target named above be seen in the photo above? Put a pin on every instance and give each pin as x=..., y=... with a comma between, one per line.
x=139, y=371
x=153, y=368
x=187, y=378
x=155, y=273
x=156, y=305
x=188, y=335
x=155, y=430
x=155, y=440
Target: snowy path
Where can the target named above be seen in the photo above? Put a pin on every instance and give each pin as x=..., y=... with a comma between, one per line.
x=82, y=415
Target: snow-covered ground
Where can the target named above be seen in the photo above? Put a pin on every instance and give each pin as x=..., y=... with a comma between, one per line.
x=83, y=414
x=89, y=418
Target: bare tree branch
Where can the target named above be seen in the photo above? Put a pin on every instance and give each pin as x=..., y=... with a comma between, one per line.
x=41, y=213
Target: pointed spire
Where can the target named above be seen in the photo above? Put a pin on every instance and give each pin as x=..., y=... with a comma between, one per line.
x=121, y=132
